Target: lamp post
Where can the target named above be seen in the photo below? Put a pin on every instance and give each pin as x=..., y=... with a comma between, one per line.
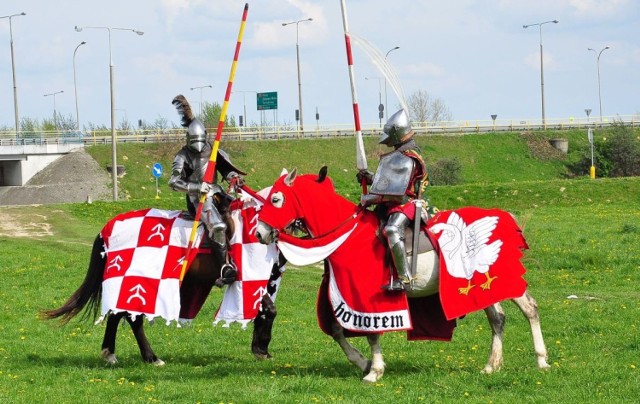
x=201, y=87
x=75, y=87
x=540, y=24
x=380, y=113
x=55, y=118
x=13, y=70
x=385, y=79
x=244, y=103
x=114, y=160
x=284, y=24
x=598, y=65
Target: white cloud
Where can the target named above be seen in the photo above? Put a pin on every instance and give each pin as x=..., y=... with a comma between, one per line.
x=598, y=8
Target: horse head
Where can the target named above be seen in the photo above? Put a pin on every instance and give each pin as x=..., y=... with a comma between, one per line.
x=290, y=201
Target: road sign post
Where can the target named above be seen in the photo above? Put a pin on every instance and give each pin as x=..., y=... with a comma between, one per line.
x=156, y=170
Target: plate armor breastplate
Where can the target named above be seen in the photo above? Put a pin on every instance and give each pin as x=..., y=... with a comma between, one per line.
x=393, y=174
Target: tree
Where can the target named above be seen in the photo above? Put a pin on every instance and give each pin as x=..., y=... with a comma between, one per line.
x=424, y=108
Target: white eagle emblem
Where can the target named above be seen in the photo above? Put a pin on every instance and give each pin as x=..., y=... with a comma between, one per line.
x=465, y=248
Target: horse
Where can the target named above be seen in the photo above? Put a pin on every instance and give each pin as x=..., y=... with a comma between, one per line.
x=203, y=273
x=297, y=201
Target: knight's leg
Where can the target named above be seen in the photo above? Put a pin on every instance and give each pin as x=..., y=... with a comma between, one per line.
x=217, y=232
x=394, y=233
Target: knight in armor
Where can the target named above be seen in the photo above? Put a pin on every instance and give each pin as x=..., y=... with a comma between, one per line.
x=189, y=167
x=397, y=183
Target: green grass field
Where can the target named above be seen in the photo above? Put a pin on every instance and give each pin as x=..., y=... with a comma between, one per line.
x=583, y=236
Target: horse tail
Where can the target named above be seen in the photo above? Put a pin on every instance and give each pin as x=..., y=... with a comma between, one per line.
x=89, y=293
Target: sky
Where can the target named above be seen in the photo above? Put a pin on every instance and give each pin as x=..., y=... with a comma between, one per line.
x=474, y=55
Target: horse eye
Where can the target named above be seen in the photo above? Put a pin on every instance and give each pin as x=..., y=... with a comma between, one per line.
x=277, y=199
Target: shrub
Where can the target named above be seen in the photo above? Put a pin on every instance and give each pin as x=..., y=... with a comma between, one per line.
x=615, y=155
x=446, y=171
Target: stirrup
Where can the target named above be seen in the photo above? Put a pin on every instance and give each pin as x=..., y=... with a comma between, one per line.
x=395, y=285
x=228, y=275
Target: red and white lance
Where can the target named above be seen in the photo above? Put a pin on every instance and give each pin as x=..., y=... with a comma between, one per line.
x=211, y=166
x=361, y=158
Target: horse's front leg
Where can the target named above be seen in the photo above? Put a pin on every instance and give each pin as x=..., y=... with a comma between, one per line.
x=496, y=318
x=109, y=341
x=137, y=326
x=529, y=308
x=352, y=353
x=377, y=363
x=262, y=328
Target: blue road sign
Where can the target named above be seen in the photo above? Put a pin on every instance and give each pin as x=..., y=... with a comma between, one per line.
x=157, y=170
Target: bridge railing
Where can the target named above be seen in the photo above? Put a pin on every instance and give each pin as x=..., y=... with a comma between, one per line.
x=256, y=133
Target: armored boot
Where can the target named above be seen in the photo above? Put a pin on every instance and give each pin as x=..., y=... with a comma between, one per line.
x=394, y=232
x=228, y=271
x=217, y=233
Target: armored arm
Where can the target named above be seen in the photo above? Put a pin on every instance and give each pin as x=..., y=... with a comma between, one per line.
x=364, y=175
x=178, y=180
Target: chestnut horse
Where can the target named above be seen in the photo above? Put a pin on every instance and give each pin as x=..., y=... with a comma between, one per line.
x=300, y=201
x=199, y=279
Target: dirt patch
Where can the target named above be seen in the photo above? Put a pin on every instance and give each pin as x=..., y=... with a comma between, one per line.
x=16, y=223
x=540, y=148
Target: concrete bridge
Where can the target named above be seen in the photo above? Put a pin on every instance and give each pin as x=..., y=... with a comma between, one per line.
x=20, y=162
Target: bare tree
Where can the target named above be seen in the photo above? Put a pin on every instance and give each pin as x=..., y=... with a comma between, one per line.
x=424, y=108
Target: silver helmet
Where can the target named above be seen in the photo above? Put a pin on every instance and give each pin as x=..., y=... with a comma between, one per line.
x=196, y=135
x=397, y=129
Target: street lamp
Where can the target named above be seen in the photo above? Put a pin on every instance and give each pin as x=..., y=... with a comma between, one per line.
x=244, y=103
x=540, y=24
x=13, y=70
x=75, y=87
x=55, y=118
x=201, y=87
x=114, y=160
x=385, y=79
x=380, y=114
x=284, y=24
x=598, y=65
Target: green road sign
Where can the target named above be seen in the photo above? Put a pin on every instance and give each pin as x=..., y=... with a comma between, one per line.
x=267, y=100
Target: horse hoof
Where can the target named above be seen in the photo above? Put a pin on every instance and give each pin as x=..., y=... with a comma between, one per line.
x=488, y=369
x=158, y=362
x=262, y=357
x=372, y=377
x=109, y=357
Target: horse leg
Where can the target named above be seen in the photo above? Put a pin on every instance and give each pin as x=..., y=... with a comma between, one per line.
x=496, y=318
x=529, y=308
x=137, y=326
x=354, y=356
x=377, y=363
x=109, y=341
x=262, y=327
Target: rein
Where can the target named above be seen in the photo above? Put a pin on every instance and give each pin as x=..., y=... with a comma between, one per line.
x=354, y=216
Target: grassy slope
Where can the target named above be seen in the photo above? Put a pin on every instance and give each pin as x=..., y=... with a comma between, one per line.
x=498, y=169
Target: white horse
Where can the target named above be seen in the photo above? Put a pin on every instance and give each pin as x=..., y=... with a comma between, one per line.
x=294, y=199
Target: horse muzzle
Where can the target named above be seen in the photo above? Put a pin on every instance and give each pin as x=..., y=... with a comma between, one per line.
x=265, y=233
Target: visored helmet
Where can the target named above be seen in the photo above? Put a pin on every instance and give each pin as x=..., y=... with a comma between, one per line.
x=397, y=129
x=196, y=136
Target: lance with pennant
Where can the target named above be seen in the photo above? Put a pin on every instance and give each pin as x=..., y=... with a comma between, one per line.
x=361, y=158
x=209, y=174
